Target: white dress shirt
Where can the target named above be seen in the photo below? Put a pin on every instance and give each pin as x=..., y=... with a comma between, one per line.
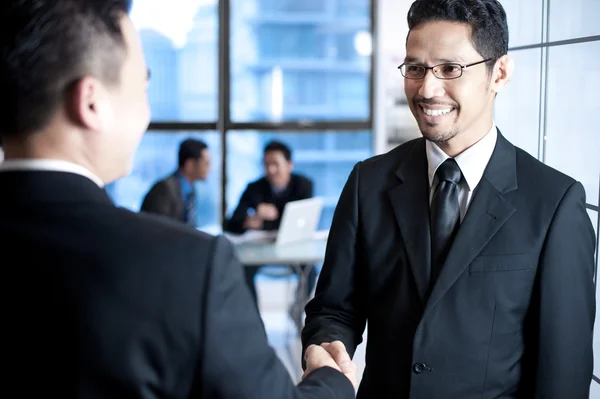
x=52, y=165
x=472, y=163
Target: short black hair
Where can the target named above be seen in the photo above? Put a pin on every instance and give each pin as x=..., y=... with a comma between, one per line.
x=191, y=149
x=487, y=19
x=278, y=146
x=46, y=46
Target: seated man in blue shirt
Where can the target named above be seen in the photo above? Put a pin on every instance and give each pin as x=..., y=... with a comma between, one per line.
x=261, y=205
x=175, y=196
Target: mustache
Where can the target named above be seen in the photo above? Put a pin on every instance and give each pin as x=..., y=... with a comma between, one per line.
x=431, y=101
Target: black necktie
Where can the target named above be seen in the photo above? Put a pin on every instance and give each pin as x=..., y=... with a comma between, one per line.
x=445, y=215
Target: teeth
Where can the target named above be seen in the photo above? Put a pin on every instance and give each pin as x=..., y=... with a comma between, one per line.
x=436, y=112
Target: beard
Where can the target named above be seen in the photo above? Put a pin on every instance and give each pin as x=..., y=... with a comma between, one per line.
x=434, y=134
x=438, y=133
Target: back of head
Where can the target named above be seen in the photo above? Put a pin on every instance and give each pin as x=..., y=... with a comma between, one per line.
x=486, y=18
x=46, y=46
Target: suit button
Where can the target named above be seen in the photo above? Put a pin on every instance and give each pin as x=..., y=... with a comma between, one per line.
x=418, y=368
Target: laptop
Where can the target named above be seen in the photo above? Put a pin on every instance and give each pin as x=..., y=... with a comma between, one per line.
x=299, y=220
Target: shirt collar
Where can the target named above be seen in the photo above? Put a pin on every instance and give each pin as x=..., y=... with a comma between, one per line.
x=472, y=162
x=51, y=165
x=186, y=186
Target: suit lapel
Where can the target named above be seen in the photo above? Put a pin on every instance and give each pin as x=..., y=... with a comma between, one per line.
x=489, y=210
x=410, y=202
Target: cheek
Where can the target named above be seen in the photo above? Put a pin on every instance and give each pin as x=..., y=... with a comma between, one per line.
x=411, y=88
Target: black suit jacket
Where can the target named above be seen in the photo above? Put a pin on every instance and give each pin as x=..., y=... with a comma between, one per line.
x=511, y=314
x=260, y=191
x=100, y=302
x=164, y=198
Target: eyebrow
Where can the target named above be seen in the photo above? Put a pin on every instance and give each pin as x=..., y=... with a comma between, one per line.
x=437, y=60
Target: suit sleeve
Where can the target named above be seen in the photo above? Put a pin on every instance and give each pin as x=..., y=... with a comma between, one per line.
x=238, y=361
x=236, y=223
x=564, y=304
x=336, y=312
x=157, y=201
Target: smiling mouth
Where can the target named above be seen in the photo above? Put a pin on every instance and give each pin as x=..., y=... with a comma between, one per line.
x=436, y=112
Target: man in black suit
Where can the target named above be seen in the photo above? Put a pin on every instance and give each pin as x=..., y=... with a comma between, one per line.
x=175, y=196
x=261, y=204
x=472, y=261
x=100, y=302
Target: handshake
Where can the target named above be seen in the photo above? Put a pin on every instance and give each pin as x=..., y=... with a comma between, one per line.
x=332, y=355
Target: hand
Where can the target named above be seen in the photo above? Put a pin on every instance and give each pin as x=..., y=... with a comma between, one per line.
x=332, y=355
x=267, y=212
x=253, y=223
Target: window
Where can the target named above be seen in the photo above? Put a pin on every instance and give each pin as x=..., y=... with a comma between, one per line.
x=327, y=158
x=517, y=112
x=297, y=62
x=524, y=21
x=574, y=18
x=290, y=61
x=573, y=115
x=156, y=158
x=180, y=39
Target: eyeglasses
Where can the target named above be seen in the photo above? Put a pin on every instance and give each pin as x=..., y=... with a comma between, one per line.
x=446, y=71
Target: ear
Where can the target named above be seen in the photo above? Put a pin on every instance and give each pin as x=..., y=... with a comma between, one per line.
x=188, y=165
x=89, y=104
x=503, y=72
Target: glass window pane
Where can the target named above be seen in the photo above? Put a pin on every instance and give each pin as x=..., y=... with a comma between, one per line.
x=524, y=21
x=180, y=46
x=157, y=158
x=326, y=158
x=300, y=60
x=517, y=110
x=573, y=114
x=574, y=18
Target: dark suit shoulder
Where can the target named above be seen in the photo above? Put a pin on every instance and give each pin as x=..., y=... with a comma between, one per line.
x=158, y=243
x=542, y=183
x=300, y=179
x=392, y=159
x=379, y=172
x=302, y=184
x=163, y=231
x=530, y=168
x=258, y=185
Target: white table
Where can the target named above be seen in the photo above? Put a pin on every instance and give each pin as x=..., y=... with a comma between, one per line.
x=300, y=253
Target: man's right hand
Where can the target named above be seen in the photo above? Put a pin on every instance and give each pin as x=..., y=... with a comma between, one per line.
x=332, y=355
x=267, y=212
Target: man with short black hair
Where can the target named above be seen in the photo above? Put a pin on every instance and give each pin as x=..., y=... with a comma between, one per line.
x=471, y=261
x=262, y=202
x=175, y=196
x=100, y=302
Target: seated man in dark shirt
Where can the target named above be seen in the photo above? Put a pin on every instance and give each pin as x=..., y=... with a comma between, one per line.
x=262, y=203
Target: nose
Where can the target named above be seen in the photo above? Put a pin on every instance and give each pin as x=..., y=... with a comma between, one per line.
x=431, y=86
